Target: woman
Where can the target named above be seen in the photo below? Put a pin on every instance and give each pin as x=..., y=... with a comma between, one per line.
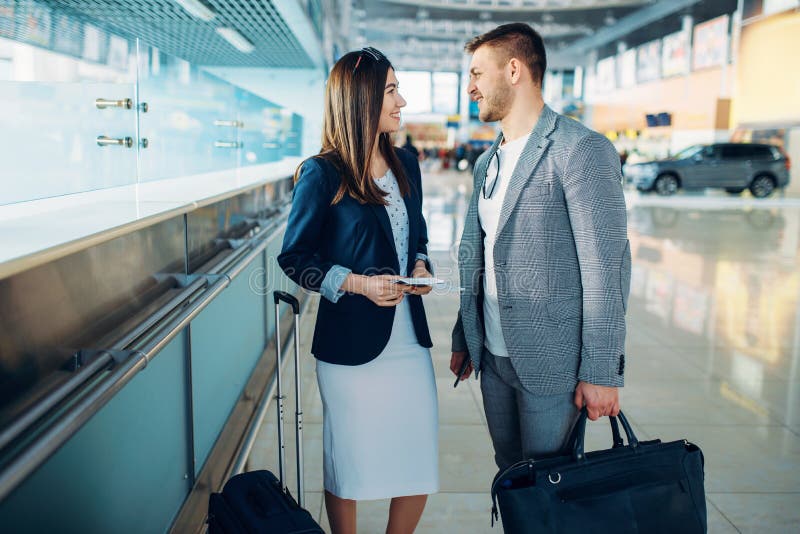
x=355, y=227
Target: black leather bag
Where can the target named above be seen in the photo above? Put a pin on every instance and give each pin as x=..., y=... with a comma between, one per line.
x=648, y=486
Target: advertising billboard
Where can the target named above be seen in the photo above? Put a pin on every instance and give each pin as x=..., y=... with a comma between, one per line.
x=627, y=68
x=7, y=20
x=675, y=54
x=648, y=62
x=606, y=75
x=710, y=43
x=67, y=35
x=34, y=23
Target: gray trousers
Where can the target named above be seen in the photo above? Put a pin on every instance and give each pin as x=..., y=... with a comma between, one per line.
x=522, y=425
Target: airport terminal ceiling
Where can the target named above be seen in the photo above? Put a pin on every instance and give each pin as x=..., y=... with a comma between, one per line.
x=168, y=26
x=430, y=34
x=415, y=34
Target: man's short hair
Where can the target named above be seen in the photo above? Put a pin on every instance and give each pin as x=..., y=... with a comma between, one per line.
x=517, y=40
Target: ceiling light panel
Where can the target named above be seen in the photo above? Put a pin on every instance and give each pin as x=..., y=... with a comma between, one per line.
x=197, y=9
x=171, y=28
x=235, y=38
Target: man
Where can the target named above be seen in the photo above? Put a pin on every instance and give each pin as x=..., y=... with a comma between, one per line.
x=544, y=258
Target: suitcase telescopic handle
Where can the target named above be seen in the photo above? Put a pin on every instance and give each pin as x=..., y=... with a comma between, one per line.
x=287, y=298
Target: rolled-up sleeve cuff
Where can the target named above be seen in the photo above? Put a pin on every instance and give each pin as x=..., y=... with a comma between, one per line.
x=427, y=260
x=331, y=287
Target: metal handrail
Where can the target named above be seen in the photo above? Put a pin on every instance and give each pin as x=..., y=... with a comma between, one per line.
x=160, y=314
x=68, y=423
x=27, y=419
x=242, y=265
x=103, y=359
x=257, y=243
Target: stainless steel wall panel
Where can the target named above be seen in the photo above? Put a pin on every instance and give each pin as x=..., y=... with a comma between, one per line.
x=173, y=410
x=228, y=219
x=75, y=302
x=227, y=340
x=124, y=472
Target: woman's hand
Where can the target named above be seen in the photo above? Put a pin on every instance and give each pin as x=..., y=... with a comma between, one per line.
x=380, y=289
x=420, y=271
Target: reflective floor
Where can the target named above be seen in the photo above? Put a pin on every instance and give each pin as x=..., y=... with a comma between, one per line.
x=713, y=342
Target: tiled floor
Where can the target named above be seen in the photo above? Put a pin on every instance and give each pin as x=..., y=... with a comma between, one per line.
x=713, y=357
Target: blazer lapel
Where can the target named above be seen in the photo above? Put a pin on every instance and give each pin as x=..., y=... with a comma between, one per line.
x=383, y=220
x=528, y=160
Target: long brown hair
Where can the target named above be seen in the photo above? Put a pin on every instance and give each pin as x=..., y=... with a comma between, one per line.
x=353, y=104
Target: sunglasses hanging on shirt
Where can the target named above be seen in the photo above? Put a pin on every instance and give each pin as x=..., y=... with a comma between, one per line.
x=496, y=159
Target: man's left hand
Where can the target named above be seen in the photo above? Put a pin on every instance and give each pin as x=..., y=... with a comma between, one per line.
x=599, y=400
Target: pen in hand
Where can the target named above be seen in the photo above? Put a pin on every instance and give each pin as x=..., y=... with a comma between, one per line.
x=463, y=369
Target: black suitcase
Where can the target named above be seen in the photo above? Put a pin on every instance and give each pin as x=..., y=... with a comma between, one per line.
x=258, y=502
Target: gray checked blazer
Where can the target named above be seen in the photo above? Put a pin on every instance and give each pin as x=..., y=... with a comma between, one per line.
x=562, y=261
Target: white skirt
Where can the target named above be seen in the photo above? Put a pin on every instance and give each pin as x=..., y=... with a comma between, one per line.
x=381, y=419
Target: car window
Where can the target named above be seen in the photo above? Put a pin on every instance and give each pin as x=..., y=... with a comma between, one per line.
x=736, y=152
x=689, y=152
x=711, y=152
x=745, y=151
x=762, y=152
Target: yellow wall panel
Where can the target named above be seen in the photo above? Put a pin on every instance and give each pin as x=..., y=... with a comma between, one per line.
x=768, y=75
x=692, y=101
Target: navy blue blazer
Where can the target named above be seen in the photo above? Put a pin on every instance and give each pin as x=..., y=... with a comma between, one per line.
x=354, y=330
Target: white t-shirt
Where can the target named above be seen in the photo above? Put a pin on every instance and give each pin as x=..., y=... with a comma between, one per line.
x=489, y=216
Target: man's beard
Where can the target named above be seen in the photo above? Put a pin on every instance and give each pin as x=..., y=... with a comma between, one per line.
x=496, y=106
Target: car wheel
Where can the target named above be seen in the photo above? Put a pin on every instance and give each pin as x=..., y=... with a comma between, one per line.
x=666, y=185
x=762, y=186
x=760, y=219
x=734, y=190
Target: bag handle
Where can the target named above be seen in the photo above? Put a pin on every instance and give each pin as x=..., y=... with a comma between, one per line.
x=578, y=435
x=615, y=435
x=575, y=442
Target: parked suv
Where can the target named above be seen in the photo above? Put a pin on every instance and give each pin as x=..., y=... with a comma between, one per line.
x=732, y=166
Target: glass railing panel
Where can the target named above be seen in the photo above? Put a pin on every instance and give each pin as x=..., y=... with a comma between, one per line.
x=294, y=136
x=191, y=123
x=67, y=123
x=262, y=130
